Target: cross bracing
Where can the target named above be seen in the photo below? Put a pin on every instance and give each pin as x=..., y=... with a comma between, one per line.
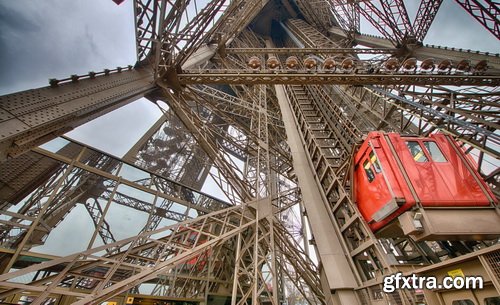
x=277, y=140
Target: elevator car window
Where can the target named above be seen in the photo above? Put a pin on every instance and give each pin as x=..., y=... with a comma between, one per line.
x=434, y=151
x=368, y=170
x=416, y=151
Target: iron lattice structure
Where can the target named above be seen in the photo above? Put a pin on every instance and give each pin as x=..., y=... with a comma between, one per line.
x=277, y=138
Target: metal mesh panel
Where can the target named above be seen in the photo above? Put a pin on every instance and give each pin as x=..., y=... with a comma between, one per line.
x=493, y=260
x=395, y=298
x=364, y=299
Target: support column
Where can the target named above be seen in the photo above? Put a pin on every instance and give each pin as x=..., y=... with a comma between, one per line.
x=335, y=266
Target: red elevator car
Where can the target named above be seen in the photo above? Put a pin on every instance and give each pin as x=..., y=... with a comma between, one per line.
x=394, y=174
x=189, y=239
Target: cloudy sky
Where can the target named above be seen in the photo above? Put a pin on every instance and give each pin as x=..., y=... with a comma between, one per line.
x=56, y=38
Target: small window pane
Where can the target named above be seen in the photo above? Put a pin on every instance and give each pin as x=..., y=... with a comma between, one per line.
x=368, y=171
x=416, y=151
x=463, y=302
x=492, y=301
x=434, y=151
x=374, y=161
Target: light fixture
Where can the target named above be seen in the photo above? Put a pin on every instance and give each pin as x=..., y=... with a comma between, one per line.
x=410, y=64
x=444, y=65
x=292, y=63
x=392, y=64
x=464, y=65
x=347, y=63
x=310, y=63
x=428, y=64
x=329, y=64
x=272, y=63
x=481, y=66
x=254, y=63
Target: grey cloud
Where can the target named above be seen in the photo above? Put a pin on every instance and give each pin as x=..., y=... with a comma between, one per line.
x=45, y=39
x=91, y=43
x=11, y=18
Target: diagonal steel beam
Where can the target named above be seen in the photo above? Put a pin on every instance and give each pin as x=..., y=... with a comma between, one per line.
x=487, y=12
x=426, y=13
x=395, y=10
x=158, y=255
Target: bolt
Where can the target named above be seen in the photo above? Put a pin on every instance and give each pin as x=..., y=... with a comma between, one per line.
x=53, y=82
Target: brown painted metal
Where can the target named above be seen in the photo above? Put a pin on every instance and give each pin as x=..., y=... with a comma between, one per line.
x=246, y=119
x=325, y=78
x=33, y=117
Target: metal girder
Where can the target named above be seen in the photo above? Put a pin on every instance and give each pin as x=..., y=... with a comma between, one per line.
x=487, y=12
x=471, y=121
x=237, y=16
x=428, y=51
x=151, y=184
x=381, y=115
x=192, y=33
x=316, y=12
x=325, y=78
x=168, y=33
x=102, y=226
x=21, y=175
x=181, y=35
x=167, y=149
x=325, y=115
x=345, y=15
x=227, y=107
x=297, y=265
x=181, y=260
x=258, y=169
x=140, y=258
x=363, y=119
x=146, y=34
x=79, y=187
x=310, y=36
x=206, y=272
x=227, y=131
x=232, y=105
x=309, y=51
x=330, y=251
x=426, y=13
x=148, y=207
x=33, y=117
x=85, y=181
x=235, y=188
x=395, y=11
x=380, y=21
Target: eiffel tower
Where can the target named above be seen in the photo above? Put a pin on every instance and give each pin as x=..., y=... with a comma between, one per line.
x=269, y=99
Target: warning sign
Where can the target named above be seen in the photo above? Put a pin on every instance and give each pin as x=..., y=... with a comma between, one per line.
x=130, y=300
x=456, y=273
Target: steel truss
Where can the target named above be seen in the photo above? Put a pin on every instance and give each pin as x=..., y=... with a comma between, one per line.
x=278, y=141
x=487, y=13
x=275, y=77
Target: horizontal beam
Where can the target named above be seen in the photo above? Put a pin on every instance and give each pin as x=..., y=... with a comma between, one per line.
x=287, y=78
x=306, y=51
x=162, y=194
x=33, y=117
x=427, y=51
